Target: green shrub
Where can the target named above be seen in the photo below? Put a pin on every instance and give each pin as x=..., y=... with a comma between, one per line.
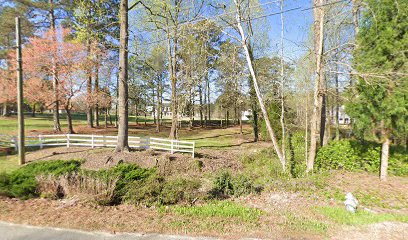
x=242, y=185
x=222, y=184
x=337, y=155
x=225, y=184
x=179, y=190
x=22, y=183
x=155, y=190
x=354, y=155
x=127, y=175
x=263, y=167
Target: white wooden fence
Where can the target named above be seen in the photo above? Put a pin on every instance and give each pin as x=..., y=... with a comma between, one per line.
x=93, y=141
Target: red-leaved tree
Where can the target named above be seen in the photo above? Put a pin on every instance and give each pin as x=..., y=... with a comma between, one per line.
x=54, y=54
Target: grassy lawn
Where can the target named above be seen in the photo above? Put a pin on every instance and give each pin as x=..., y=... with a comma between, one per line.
x=8, y=163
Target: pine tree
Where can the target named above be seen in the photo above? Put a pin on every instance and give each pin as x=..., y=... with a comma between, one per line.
x=379, y=105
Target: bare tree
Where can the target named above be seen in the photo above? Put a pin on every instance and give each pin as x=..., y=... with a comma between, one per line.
x=244, y=42
x=318, y=96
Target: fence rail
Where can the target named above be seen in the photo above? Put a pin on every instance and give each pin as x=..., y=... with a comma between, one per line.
x=93, y=141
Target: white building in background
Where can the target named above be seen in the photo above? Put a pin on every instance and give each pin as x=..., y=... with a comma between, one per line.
x=166, y=110
x=344, y=119
x=246, y=115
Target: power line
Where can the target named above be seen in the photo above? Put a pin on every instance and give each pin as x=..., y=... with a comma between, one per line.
x=206, y=18
x=255, y=18
x=226, y=27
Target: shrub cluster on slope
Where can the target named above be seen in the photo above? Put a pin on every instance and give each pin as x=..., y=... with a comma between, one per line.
x=353, y=155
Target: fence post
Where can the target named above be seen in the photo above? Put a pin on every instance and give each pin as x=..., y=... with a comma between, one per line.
x=14, y=140
x=147, y=142
x=193, y=148
x=40, y=138
x=93, y=143
x=172, y=147
x=68, y=140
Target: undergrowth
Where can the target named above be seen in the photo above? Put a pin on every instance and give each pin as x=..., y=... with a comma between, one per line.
x=361, y=217
x=223, y=209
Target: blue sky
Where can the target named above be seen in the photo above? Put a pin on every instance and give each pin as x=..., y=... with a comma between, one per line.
x=297, y=26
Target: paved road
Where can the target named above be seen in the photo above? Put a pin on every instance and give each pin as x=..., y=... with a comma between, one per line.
x=10, y=231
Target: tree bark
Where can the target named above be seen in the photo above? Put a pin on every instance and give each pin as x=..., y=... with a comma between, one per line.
x=337, y=105
x=323, y=113
x=69, y=120
x=56, y=117
x=123, y=144
x=258, y=93
x=106, y=117
x=318, y=97
x=173, y=79
x=254, y=104
x=5, y=110
x=159, y=106
x=385, y=151
x=200, y=90
x=97, y=98
x=33, y=111
x=89, y=113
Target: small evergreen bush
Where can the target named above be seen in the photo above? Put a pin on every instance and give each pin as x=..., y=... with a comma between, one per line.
x=155, y=191
x=225, y=184
x=22, y=183
x=354, y=155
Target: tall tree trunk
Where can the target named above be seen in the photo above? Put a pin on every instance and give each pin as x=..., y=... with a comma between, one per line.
x=173, y=80
x=323, y=112
x=385, y=152
x=254, y=104
x=56, y=117
x=97, y=94
x=337, y=105
x=69, y=121
x=106, y=117
x=123, y=144
x=110, y=116
x=306, y=126
x=205, y=103
x=33, y=110
x=240, y=125
x=258, y=93
x=319, y=77
x=89, y=112
x=159, y=106
x=208, y=99
x=5, y=110
x=282, y=84
x=227, y=119
x=200, y=90
x=117, y=101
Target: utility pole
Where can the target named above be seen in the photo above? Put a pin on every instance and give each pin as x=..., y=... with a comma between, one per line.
x=21, y=148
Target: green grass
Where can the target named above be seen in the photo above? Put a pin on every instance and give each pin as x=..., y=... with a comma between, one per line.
x=361, y=217
x=8, y=125
x=8, y=163
x=223, y=209
x=301, y=223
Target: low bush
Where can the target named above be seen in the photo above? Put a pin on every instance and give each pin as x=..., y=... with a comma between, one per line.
x=263, y=167
x=127, y=174
x=353, y=155
x=22, y=183
x=227, y=185
x=155, y=191
x=179, y=190
x=90, y=185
